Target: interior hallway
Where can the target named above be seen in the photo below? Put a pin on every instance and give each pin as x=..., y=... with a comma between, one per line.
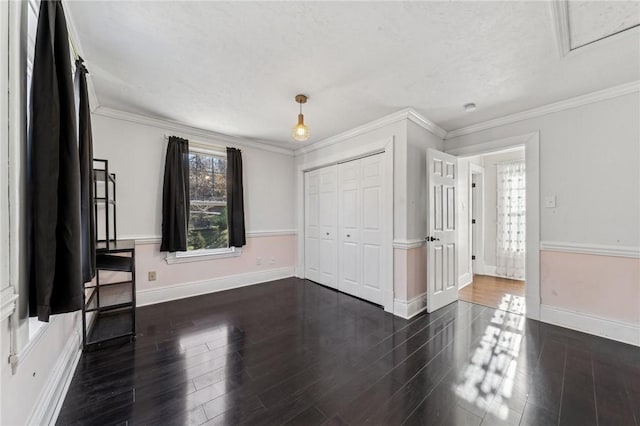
x=495, y=292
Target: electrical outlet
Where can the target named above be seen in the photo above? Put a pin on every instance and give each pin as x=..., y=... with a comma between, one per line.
x=152, y=275
x=258, y=261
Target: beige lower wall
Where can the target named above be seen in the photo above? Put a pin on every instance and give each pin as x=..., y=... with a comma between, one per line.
x=410, y=272
x=602, y=286
x=277, y=249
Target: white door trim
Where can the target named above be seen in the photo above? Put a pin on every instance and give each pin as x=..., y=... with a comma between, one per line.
x=386, y=147
x=475, y=169
x=531, y=142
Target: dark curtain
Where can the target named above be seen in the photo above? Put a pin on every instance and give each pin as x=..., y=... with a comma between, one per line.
x=56, y=280
x=87, y=212
x=235, y=198
x=175, y=196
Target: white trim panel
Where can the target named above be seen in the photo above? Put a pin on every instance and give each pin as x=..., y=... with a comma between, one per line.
x=274, y=233
x=603, y=327
x=407, y=244
x=594, y=249
x=601, y=95
x=48, y=405
x=410, y=308
x=196, y=288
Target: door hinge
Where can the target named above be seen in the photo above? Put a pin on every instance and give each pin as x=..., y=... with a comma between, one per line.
x=473, y=221
x=473, y=185
x=473, y=257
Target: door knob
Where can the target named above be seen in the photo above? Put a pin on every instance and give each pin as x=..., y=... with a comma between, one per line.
x=327, y=233
x=432, y=239
x=348, y=235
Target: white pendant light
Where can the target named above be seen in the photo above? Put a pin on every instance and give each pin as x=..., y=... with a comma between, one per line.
x=300, y=131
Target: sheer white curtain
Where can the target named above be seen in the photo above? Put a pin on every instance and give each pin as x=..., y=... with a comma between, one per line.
x=511, y=220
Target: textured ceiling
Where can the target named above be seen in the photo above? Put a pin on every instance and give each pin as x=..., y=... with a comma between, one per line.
x=590, y=21
x=235, y=67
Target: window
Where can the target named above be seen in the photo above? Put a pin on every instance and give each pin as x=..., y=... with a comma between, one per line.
x=208, y=193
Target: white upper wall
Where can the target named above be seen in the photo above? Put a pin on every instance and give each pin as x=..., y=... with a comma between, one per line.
x=136, y=154
x=418, y=141
x=590, y=160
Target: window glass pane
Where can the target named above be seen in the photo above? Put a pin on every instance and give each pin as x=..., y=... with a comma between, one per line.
x=208, y=215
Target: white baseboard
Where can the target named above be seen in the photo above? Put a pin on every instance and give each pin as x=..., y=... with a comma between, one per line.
x=48, y=405
x=410, y=308
x=464, y=280
x=490, y=270
x=196, y=288
x=603, y=327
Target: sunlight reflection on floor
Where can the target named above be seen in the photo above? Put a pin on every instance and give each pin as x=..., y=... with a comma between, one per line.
x=488, y=379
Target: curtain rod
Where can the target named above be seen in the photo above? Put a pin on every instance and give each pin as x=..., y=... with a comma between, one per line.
x=202, y=145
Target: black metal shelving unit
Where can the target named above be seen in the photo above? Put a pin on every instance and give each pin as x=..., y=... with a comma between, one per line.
x=109, y=311
x=107, y=199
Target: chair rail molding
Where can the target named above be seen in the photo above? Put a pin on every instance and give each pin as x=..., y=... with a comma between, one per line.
x=594, y=249
x=408, y=244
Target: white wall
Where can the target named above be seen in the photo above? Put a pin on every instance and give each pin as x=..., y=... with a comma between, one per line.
x=136, y=154
x=489, y=163
x=418, y=141
x=589, y=159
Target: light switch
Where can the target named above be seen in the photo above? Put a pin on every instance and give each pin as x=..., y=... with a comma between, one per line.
x=550, y=202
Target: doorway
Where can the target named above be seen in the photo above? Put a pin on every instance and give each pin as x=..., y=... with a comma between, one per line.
x=496, y=234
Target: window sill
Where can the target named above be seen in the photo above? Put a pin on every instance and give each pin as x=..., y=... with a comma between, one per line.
x=202, y=255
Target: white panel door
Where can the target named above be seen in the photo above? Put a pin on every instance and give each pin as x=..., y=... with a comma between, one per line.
x=442, y=251
x=349, y=250
x=312, y=225
x=328, y=222
x=371, y=235
x=360, y=235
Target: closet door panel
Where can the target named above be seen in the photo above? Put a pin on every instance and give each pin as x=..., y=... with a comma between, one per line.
x=312, y=226
x=328, y=220
x=349, y=207
x=372, y=175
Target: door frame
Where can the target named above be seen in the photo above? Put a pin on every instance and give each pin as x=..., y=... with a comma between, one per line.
x=531, y=143
x=477, y=170
x=385, y=147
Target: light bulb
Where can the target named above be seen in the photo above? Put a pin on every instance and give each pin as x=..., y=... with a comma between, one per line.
x=300, y=131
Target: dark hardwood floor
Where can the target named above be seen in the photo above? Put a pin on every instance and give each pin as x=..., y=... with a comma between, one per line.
x=294, y=352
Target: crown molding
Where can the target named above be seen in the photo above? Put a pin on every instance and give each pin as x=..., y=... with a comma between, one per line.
x=73, y=33
x=425, y=123
x=193, y=131
x=404, y=114
x=560, y=15
x=600, y=95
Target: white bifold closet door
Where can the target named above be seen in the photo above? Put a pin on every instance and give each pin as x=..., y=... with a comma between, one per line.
x=321, y=211
x=360, y=198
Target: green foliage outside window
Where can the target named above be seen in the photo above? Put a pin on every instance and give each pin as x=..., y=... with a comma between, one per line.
x=208, y=193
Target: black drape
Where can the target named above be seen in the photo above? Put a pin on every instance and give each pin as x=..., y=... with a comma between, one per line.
x=55, y=280
x=175, y=196
x=87, y=212
x=235, y=199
